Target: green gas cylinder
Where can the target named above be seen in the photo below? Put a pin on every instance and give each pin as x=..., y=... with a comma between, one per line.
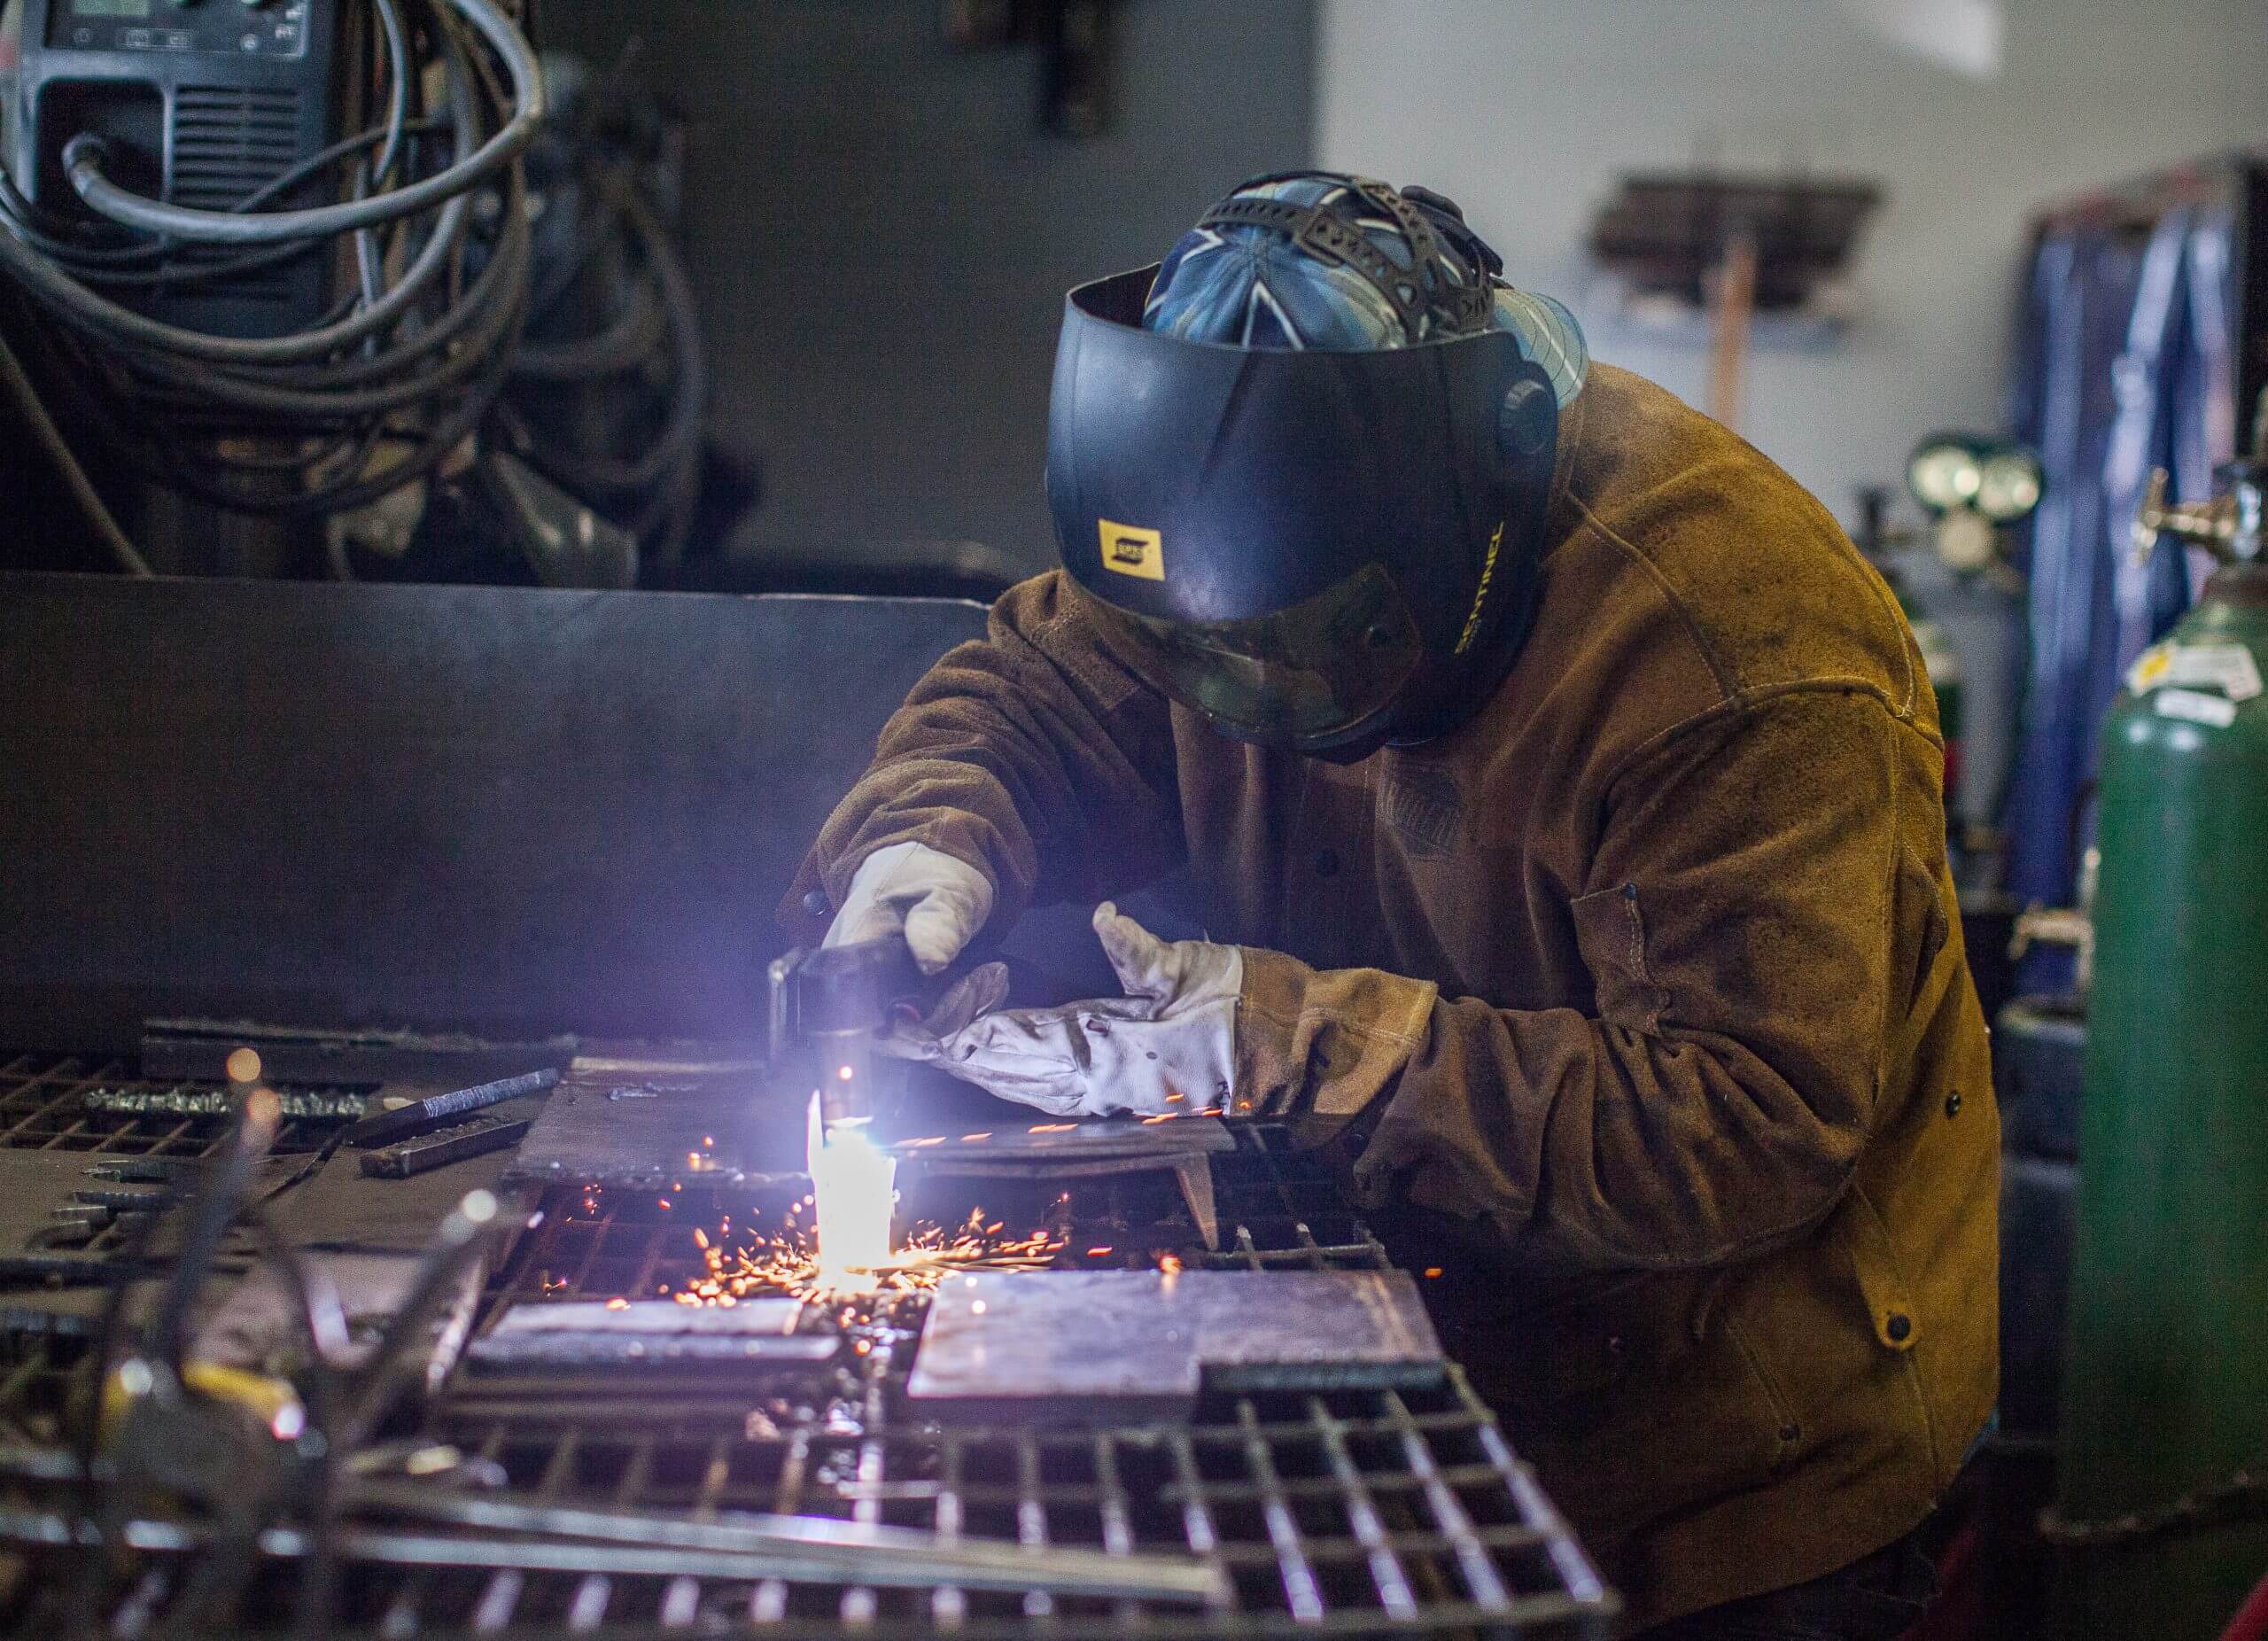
x=2166, y=1387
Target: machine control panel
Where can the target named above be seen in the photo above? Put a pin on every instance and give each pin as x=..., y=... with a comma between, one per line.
x=238, y=27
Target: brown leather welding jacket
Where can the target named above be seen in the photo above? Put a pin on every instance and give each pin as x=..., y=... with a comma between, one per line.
x=1651, y=973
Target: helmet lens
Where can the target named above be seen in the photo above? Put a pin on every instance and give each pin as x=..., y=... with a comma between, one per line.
x=1299, y=675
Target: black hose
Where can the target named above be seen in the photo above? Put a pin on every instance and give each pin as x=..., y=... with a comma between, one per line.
x=82, y=306
x=416, y=361
x=82, y=158
x=74, y=477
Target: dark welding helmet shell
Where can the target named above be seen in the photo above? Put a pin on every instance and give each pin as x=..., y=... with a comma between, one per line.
x=1295, y=542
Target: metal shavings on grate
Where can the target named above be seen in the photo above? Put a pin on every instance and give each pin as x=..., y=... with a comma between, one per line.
x=44, y=1107
x=195, y=1099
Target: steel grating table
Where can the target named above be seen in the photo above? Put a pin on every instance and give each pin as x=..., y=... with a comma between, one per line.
x=1388, y=1510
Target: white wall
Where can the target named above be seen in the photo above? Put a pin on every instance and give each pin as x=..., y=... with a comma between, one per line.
x=1525, y=111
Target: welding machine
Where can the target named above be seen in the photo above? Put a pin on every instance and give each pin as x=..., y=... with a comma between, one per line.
x=273, y=326
x=200, y=103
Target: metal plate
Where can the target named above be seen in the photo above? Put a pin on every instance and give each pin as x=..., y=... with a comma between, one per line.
x=647, y=1332
x=255, y=1323
x=1042, y=1146
x=650, y=1317
x=342, y=1209
x=1075, y=1346
x=1185, y=1146
x=201, y=1048
x=645, y=1120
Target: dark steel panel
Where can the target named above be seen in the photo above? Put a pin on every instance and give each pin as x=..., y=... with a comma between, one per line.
x=429, y=1152
x=201, y=1048
x=1075, y=1346
x=342, y=1209
x=1048, y=1145
x=642, y=1121
x=445, y=807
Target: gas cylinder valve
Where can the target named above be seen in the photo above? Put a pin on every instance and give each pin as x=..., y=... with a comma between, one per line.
x=2229, y=526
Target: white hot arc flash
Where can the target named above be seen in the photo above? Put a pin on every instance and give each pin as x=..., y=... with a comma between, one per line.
x=854, y=1193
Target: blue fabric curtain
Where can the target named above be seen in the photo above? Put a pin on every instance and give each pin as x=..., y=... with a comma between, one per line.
x=2123, y=363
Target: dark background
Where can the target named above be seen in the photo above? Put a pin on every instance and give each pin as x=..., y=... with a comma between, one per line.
x=881, y=234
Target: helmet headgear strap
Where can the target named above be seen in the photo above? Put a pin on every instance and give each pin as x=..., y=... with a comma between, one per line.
x=1330, y=238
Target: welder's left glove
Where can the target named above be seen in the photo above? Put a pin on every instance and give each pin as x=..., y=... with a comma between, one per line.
x=1167, y=1046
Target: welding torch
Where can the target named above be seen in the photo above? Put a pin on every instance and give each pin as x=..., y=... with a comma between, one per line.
x=827, y=1010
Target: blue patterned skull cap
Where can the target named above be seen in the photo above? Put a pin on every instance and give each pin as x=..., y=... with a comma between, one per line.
x=1322, y=260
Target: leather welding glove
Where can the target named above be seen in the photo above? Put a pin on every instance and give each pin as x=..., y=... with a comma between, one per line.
x=1168, y=1046
x=936, y=901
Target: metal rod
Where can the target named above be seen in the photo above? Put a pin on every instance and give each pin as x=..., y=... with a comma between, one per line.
x=438, y=1150
x=881, y=1556
x=420, y=1115
x=793, y=1547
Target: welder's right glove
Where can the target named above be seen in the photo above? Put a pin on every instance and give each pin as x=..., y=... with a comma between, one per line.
x=936, y=901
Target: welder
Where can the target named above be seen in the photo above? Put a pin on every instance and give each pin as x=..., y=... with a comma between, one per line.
x=1560, y=795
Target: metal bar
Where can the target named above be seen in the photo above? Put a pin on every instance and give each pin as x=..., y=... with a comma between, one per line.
x=420, y=1115
x=948, y=1603
x=1386, y=1571
x=819, y=1548
x=1483, y=1583
x=1116, y=1513
x=587, y=1610
x=1039, y=1145
x=1031, y=1517
x=140, y=1609
x=595, y=1590
x=680, y=1603
x=499, y=1599
x=649, y=1260
x=1538, y=1512
x=438, y=1150
x=1301, y=1589
x=401, y=1614
x=503, y=1592
x=1246, y=1252
x=595, y=1238
x=767, y=1603
x=681, y=1599
x=1197, y=1523
x=858, y=1602
x=1195, y=1175
x=1003, y=1567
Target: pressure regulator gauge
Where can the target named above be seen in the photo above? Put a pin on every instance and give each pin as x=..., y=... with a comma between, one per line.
x=1973, y=486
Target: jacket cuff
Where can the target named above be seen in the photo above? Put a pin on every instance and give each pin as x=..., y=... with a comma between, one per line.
x=1321, y=1045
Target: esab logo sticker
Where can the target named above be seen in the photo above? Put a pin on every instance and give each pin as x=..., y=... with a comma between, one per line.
x=1133, y=551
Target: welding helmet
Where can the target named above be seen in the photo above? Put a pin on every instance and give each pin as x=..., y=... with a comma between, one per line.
x=1299, y=468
